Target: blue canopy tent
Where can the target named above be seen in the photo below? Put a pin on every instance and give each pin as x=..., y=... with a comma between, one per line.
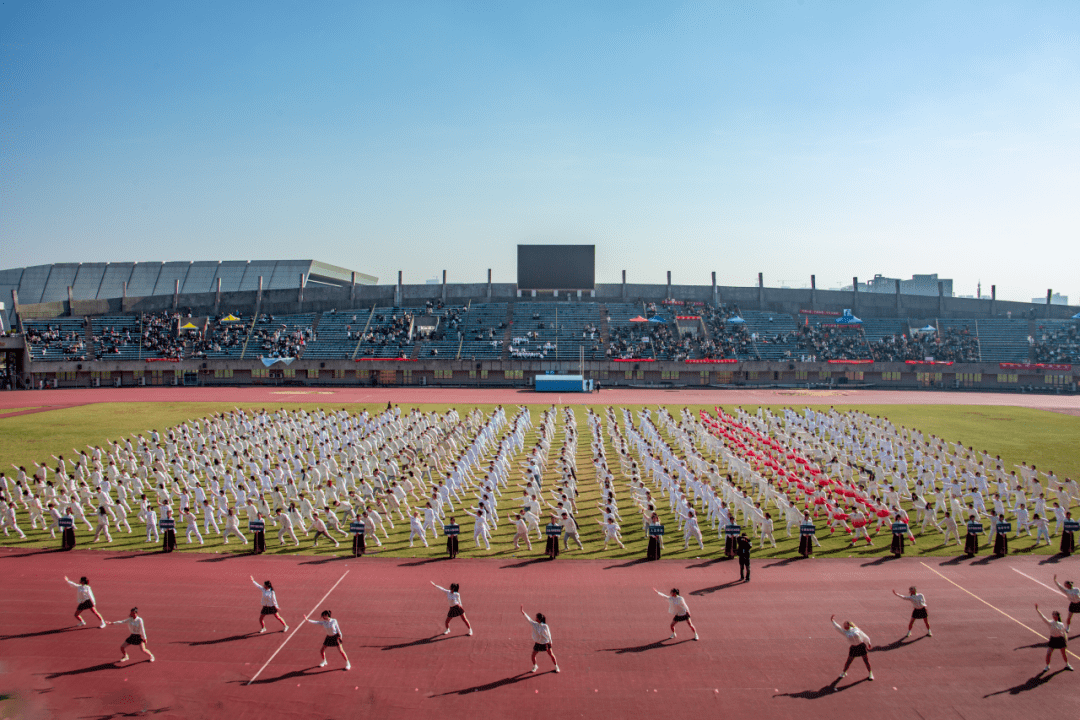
x=1076, y=316
x=736, y=320
x=928, y=329
x=657, y=319
x=848, y=319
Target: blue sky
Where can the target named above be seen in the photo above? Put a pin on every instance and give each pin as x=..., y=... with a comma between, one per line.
x=790, y=138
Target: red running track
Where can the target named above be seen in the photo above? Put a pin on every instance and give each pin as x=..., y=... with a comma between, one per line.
x=272, y=396
x=767, y=648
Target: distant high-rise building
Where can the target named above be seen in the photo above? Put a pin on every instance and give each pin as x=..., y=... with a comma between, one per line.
x=1055, y=299
x=917, y=285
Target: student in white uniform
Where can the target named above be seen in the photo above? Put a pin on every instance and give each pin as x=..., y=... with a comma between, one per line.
x=269, y=605
x=454, y=598
x=541, y=635
x=136, y=636
x=1073, y=594
x=232, y=527
x=86, y=600
x=1059, y=638
x=860, y=645
x=918, y=602
x=102, y=525
x=332, y=639
x=416, y=529
x=679, y=610
x=521, y=527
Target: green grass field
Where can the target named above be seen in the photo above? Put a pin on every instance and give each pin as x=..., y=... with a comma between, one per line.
x=1017, y=434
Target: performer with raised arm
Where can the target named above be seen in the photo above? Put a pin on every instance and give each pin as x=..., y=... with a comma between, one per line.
x=136, y=636
x=269, y=605
x=86, y=600
x=860, y=645
x=918, y=602
x=332, y=639
x=541, y=635
x=454, y=598
x=680, y=612
x=1059, y=637
x=1073, y=594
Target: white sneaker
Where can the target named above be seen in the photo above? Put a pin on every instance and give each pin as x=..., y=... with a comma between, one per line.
x=696, y=637
x=671, y=637
x=908, y=635
x=348, y=666
x=470, y=631
x=152, y=658
x=1046, y=669
x=533, y=669
x=323, y=663
x=446, y=632
x=81, y=622
x=102, y=625
x=285, y=629
x=262, y=630
x=557, y=668
x=1068, y=667
x=843, y=674
x=929, y=633
x=124, y=659
x=871, y=677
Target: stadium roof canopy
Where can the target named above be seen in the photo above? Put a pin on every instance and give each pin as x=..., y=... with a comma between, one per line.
x=102, y=281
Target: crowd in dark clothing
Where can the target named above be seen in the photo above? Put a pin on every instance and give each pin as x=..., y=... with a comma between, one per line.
x=819, y=343
x=663, y=341
x=278, y=340
x=1059, y=345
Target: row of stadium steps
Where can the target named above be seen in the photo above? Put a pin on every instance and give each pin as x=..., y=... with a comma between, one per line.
x=71, y=331
x=509, y=333
x=1004, y=340
x=771, y=329
x=332, y=340
x=482, y=319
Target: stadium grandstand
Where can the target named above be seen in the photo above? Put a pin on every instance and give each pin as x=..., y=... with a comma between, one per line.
x=306, y=322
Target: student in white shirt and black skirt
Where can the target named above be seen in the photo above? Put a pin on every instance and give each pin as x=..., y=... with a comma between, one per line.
x=541, y=635
x=454, y=598
x=918, y=611
x=137, y=636
x=332, y=639
x=1059, y=638
x=269, y=605
x=859, y=645
x=87, y=602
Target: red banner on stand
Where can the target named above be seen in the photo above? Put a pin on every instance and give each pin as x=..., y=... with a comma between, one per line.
x=1033, y=366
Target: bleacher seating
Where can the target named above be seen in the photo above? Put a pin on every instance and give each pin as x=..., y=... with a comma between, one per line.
x=482, y=334
x=117, y=337
x=775, y=334
x=555, y=330
x=280, y=335
x=226, y=339
x=56, y=339
x=387, y=333
x=1057, y=341
x=1003, y=340
x=337, y=335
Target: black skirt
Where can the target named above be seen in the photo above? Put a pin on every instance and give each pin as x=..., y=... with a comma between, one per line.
x=332, y=641
x=897, y=544
x=857, y=650
x=452, y=545
x=358, y=545
x=1068, y=542
x=653, y=552
x=806, y=545
x=85, y=605
x=919, y=614
x=67, y=539
x=268, y=610
x=729, y=546
x=685, y=617
x=168, y=543
x=541, y=647
x=971, y=544
x=1074, y=607
x=1001, y=545
x=134, y=639
x=552, y=548
x=1057, y=642
x=455, y=611
x=258, y=542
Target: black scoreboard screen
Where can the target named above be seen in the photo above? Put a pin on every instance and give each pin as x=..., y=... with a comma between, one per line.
x=556, y=267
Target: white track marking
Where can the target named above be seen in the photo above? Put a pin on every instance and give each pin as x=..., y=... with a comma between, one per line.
x=1034, y=580
x=298, y=626
x=991, y=606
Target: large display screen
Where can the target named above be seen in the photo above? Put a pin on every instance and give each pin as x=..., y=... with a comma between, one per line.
x=556, y=267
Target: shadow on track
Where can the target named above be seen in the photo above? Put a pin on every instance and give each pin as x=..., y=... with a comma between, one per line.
x=525, y=563
x=830, y=689
x=218, y=641
x=1030, y=684
x=642, y=648
x=324, y=561
x=716, y=588
x=230, y=556
x=629, y=563
x=902, y=642
x=47, y=551
x=425, y=561
x=54, y=631
x=494, y=685
x=422, y=641
x=708, y=563
x=95, y=668
x=306, y=672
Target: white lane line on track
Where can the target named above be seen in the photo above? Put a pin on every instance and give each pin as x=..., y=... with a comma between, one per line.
x=298, y=626
x=1033, y=579
x=991, y=606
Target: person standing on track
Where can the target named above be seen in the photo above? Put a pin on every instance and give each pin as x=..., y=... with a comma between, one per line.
x=269, y=606
x=860, y=645
x=1059, y=638
x=332, y=639
x=1073, y=594
x=743, y=546
x=679, y=610
x=541, y=635
x=137, y=634
x=918, y=601
x=454, y=598
x=86, y=600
